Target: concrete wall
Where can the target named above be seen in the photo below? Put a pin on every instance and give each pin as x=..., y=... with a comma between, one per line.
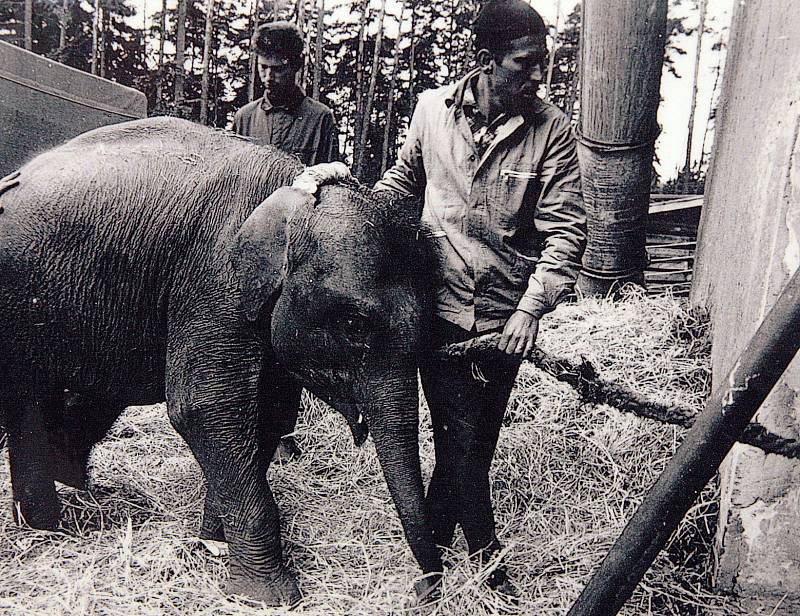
x=748, y=248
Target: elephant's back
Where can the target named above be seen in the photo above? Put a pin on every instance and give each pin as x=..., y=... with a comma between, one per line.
x=104, y=235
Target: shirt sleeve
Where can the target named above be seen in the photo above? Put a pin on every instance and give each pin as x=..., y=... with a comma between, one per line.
x=237, y=123
x=560, y=218
x=329, y=140
x=407, y=175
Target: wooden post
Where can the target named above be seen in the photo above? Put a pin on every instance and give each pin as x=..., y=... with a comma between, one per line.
x=748, y=247
x=729, y=410
x=622, y=50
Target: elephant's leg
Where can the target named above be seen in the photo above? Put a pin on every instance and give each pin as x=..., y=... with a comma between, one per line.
x=85, y=420
x=216, y=410
x=31, y=461
x=280, y=417
x=279, y=400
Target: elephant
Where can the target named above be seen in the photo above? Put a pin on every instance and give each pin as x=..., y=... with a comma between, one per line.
x=161, y=260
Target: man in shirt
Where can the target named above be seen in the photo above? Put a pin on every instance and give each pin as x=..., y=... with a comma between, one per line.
x=285, y=117
x=498, y=174
x=291, y=121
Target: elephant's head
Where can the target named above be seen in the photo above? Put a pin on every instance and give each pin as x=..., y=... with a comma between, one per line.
x=344, y=282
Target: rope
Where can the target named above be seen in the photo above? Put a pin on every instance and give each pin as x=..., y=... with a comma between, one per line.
x=592, y=389
x=604, y=146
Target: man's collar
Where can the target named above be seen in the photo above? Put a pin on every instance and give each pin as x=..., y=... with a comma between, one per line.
x=291, y=104
x=461, y=94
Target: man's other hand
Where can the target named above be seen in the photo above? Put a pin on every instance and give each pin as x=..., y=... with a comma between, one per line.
x=519, y=335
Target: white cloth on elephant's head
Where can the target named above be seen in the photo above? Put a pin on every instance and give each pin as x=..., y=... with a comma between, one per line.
x=325, y=173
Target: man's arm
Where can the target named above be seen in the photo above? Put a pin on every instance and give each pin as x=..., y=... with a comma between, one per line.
x=407, y=175
x=561, y=219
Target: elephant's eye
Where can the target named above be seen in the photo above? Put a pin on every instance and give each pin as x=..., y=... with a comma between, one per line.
x=350, y=323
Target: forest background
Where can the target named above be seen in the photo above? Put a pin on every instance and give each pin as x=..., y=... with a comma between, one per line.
x=367, y=59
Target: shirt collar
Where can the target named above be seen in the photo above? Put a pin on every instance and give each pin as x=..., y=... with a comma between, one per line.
x=461, y=94
x=293, y=102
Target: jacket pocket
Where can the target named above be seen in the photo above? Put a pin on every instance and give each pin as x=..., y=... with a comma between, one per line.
x=518, y=191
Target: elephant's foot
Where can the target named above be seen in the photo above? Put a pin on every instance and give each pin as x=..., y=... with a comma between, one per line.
x=429, y=588
x=279, y=590
x=42, y=512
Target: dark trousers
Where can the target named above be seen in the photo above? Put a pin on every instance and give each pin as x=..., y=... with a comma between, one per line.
x=467, y=401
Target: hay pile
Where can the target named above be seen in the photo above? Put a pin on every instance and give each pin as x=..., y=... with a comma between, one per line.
x=566, y=478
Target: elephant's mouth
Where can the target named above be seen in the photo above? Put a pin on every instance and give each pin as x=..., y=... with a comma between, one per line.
x=356, y=421
x=355, y=418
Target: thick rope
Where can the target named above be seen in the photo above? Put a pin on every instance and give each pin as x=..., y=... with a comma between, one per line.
x=592, y=389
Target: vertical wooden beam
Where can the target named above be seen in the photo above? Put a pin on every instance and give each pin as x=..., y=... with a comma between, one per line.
x=622, y=51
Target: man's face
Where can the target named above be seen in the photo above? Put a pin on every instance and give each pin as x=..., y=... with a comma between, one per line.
x=277, y=75
x=517, y=75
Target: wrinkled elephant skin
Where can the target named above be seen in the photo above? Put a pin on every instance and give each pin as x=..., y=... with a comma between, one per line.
x=158, y=259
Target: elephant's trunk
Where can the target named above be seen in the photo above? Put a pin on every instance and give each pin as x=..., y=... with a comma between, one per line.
x=395, y=433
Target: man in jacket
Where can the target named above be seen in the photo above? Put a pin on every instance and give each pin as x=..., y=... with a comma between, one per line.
x=497, y=170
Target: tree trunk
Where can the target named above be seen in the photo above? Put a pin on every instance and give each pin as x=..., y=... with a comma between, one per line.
x=103, y=29
x=373, y=78
x=412, y=101
x=319, y=44
x=207, y=44
x=63, y=20
x=95, y=33
x=301, y=23
x=28, y=24
x=255, y=19
x=552, y=58
x=161, y=39
x=687, y=165
x=387, y=129
x=359, y=114
x=180, y=48
x=619, y=99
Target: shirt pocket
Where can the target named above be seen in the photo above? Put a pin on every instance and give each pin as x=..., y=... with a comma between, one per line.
x=518, y=190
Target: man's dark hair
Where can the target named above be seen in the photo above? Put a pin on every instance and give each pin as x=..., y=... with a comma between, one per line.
x=281, y=39
x=502, y=21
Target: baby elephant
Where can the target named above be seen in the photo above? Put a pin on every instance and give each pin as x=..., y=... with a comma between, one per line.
x=159, y=259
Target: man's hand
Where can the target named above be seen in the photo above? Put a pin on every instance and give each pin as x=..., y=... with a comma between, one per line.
x=519, y=334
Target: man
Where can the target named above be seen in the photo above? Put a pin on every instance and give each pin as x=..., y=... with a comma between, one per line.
x=497, y=169
x=291, y=121
x=285, y=117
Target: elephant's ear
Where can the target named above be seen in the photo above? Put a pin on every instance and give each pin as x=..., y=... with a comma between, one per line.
x=259, y=248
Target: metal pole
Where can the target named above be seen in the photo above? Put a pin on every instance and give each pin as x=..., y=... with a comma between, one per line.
x=725, y=417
